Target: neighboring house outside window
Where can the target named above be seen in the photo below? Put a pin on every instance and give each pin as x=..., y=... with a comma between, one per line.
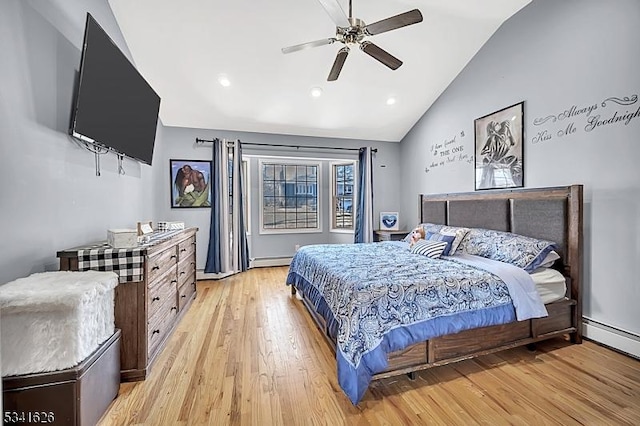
x=289, y=196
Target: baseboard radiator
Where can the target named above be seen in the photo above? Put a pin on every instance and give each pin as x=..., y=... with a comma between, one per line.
x=623, y=341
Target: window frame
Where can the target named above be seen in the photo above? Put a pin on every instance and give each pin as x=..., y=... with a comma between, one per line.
x=319, y=194
x=333, y=219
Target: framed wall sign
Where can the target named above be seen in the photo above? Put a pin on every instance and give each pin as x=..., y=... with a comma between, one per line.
x=190, y=183
x=389, y=221
x=499, y=149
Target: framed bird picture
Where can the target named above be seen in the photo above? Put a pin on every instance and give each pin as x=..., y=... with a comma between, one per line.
x=499, y=149
x=190, y=183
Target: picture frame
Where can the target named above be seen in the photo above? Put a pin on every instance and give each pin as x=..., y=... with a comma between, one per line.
x=389, y=221
x=190, y=183
x=499, y=148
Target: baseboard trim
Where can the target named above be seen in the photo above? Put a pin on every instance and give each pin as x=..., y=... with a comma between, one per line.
x=620, y=340
x=270, y=261
x=201, y=275
x=253, y=263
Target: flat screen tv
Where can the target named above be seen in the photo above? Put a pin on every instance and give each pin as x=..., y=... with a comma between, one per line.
x=114, y=105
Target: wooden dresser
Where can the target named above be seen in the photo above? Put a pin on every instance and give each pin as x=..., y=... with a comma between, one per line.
x=157, y=286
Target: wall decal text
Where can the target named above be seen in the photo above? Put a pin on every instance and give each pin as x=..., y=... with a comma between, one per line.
x=585, y=118
x=447, y=152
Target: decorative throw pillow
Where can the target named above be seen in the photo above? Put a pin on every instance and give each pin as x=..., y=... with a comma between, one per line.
x=453, y=235
x=525, y=252
x=432, y=249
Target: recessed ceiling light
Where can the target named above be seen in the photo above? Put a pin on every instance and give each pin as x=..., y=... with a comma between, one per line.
x=224, y=81
x=316, y=92
x=391, y=101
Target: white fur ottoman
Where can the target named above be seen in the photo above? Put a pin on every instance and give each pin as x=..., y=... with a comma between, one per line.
x=54, y=320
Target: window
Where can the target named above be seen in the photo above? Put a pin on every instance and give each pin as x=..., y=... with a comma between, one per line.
x=289, y=196
x=342, y=196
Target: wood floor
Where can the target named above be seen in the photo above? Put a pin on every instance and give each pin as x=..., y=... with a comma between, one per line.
x=248, y=353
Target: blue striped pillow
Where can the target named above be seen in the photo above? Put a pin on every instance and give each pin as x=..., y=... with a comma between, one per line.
x=432, y=249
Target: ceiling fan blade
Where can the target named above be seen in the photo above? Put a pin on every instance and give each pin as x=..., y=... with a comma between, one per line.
x=338, y=63
x=381, y=55
x=402, y=20
x=335, y=12
x=308, y=45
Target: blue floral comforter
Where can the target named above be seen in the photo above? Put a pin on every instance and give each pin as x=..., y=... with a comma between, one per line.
x=379, y=298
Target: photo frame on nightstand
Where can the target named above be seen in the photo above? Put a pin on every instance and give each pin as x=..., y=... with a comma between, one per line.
x=389, y=221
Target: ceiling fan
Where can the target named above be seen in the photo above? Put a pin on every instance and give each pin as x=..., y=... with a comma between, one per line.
x=352, y=31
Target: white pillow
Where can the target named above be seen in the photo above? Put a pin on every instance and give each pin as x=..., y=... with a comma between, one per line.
x=549, y=260
x=432, y=249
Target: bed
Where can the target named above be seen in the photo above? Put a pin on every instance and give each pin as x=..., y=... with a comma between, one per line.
x=387, y=311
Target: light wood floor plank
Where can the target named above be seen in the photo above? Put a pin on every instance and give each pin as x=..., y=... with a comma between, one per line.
x=247, y=353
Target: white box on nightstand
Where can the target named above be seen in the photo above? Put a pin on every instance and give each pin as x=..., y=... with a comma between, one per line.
x=122, y=238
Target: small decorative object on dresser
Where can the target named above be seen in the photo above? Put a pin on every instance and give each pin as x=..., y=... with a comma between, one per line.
x=389, y=221
x=122, y=238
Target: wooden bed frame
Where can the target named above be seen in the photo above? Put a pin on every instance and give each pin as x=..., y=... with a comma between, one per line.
x=553, y=214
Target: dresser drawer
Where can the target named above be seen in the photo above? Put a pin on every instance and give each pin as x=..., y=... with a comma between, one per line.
x=185, y=294
x=159, y=263
x=160, y=324
x=162, y=293
x=186, y=248
x=186, y=271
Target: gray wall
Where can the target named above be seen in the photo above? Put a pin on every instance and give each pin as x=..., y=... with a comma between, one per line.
x=179, y=143
x=553, y=55
x=52, y=198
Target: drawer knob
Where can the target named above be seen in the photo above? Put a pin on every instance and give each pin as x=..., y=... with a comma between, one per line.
x=173, y=256
x=155, y=332
x=183, y=295
x=174, y=308
x=182, y=272
x=155, y=268
x=183, y=250
x=155, y=298
x=174, y=281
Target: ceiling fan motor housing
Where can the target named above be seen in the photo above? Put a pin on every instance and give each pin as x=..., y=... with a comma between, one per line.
x=352, y=34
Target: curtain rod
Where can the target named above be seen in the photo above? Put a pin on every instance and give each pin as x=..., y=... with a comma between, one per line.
x=202, y=141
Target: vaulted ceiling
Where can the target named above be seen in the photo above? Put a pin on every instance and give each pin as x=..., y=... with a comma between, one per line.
x=186, y=48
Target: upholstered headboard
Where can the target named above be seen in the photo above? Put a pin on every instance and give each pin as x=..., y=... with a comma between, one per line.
x=553, y=214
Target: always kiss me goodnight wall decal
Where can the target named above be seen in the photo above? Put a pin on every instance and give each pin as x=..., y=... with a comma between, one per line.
x=610, y=111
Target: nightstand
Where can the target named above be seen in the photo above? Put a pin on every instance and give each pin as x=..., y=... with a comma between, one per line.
x=380, y=235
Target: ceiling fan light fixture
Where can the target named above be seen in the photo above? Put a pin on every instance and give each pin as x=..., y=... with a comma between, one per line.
x=391, y=100
x=316, y=92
